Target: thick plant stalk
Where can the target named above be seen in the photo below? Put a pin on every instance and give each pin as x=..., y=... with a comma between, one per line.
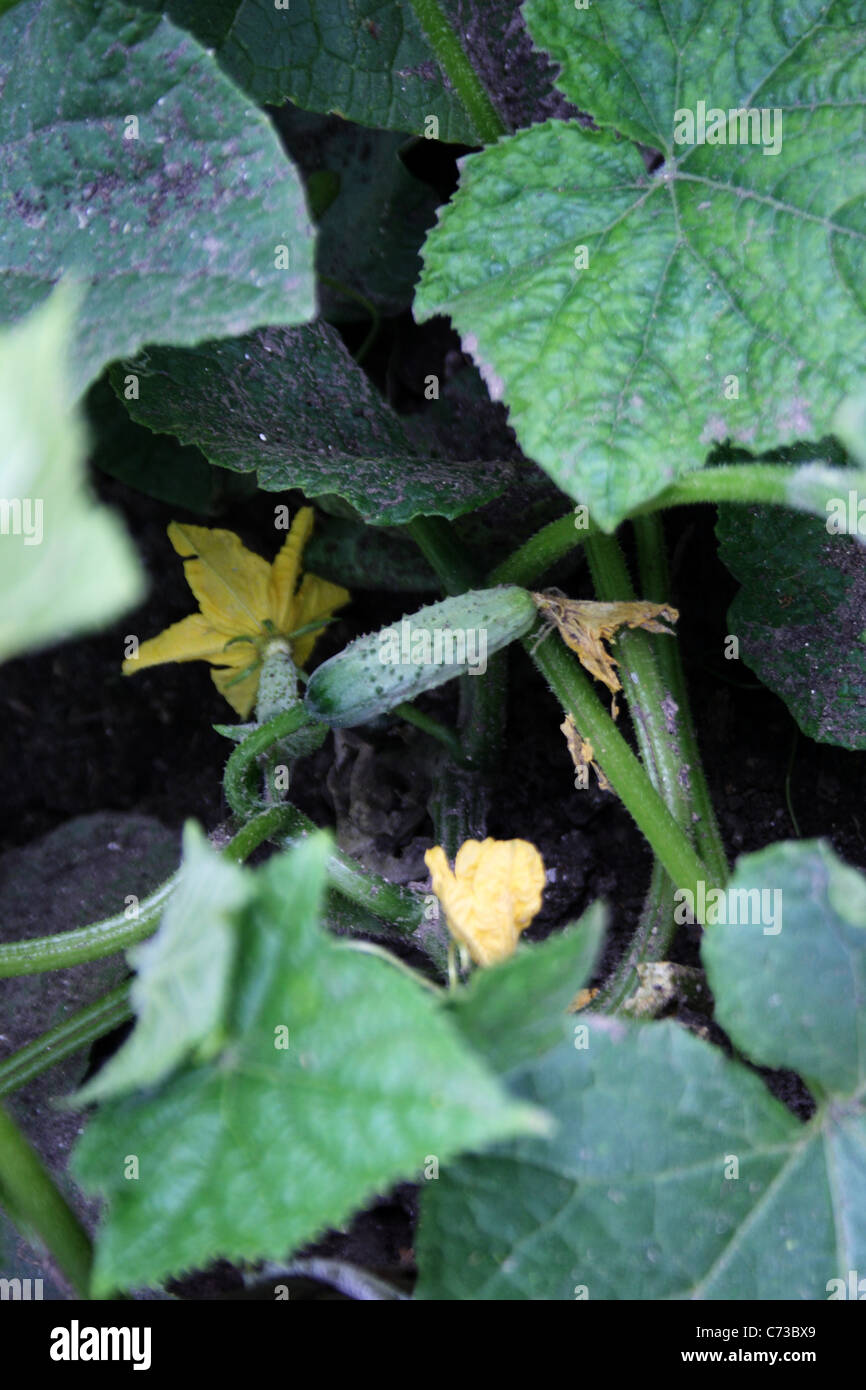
x=35, y=1202
x=661, y=721
x=622, y=768
x=80, y=1030
x=540, y=553
x=655, y=581
x=463, y=77
x=458, y=805
x=401, y=908
x=654, y=719
x=651, y=941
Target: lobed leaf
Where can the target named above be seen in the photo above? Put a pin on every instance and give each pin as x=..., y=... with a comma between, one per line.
x=373, y=1081
x=173, y=231
x=632, y=319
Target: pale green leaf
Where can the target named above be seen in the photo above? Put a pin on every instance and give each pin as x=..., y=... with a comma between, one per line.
x=257, y=1152
x=516, y=1011
x=66, y=564
x=183, y=976
x=174, y=233
x=720, y=296
x=790, y=980
x=673, y=1173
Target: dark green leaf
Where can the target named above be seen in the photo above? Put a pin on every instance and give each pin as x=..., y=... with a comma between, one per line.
x=361, y=59
x=370, y=232
x=800, y=615
x=158, y=466
x=291, y=405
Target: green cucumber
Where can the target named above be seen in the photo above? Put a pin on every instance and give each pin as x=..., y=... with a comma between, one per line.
x=452, y=638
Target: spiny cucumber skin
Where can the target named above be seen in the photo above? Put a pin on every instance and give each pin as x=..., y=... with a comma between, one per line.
x=356, y=685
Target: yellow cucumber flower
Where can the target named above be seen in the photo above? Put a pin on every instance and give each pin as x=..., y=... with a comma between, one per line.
x=492, y=895
x=245, y=605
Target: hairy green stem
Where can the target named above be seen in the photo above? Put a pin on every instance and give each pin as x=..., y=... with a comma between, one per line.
x=747, y=483
x=657, y=730
x=431, y=726
x=461, y=74
x=622, y=768
x=530, y=561
x=35, y=1203
x=458, y=806
x=119, y=932
x=241, y=779
x=652, y=717
x=767, y=483
x=655, y=584
x=483, y=714
x=437, y=542
x=651, y=941
x=401, y=908
x=88, y=943
x=482, y=697
x=81, y=1029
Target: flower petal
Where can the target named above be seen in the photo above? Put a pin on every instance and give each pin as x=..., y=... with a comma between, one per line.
x=316, y=598
x=285, y=571
x=242, y=696
x=192, y=639
x=493, y=894
x=229, y=581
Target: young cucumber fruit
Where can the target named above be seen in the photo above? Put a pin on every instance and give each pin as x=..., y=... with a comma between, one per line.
x=443, y=640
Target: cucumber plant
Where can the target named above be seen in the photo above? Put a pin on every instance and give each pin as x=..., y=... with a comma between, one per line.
x=668, y=300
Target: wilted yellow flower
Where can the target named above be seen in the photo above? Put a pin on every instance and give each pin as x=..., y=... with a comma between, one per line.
x=492, y=895
x=245, y=605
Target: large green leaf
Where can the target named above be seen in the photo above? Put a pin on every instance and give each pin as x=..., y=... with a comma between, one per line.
x=181, y=989
x=723, y=263
x=293, y=407
x=156, y=465
x=175, y=232
x=673, y=1173
x=790, y=982
x=629, y=1198
x=66, y=565
x=800, y=615
x=258, y=1151
x=361, y=59
x=516, y=1011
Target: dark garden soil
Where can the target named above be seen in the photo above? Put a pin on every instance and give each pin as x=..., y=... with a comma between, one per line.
x=77, y=738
